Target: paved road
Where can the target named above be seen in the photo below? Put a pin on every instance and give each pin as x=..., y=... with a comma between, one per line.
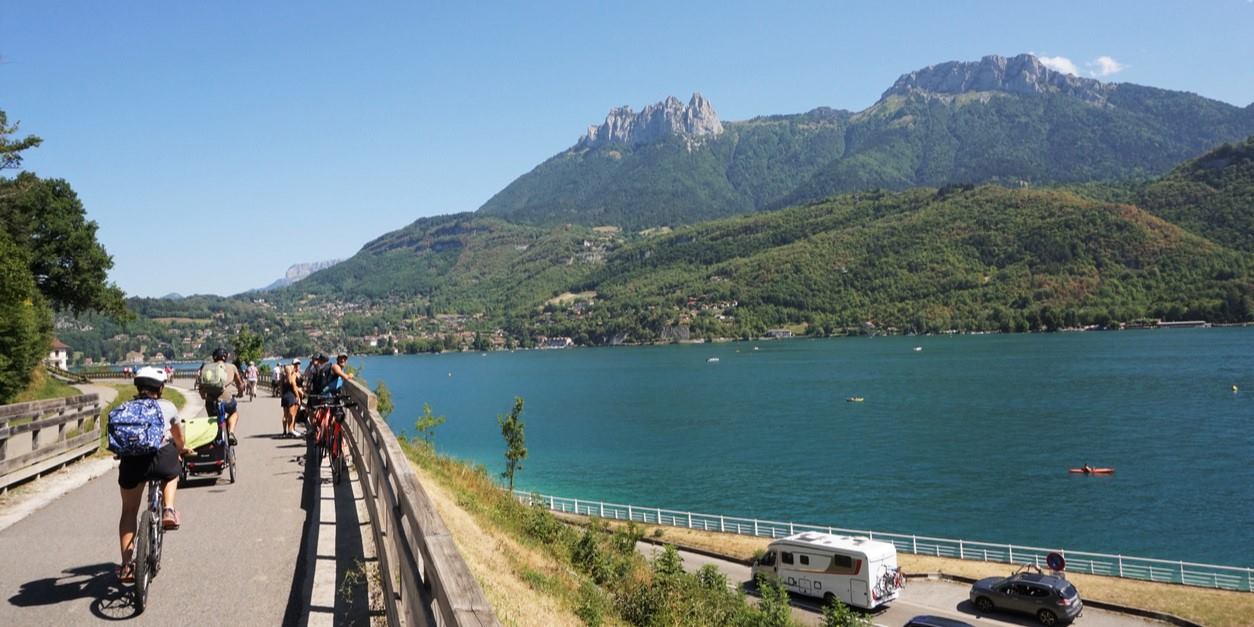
x=939, y=598
x=236, y=560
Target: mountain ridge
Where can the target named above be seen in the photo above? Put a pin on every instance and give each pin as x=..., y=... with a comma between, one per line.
x=1010, y=121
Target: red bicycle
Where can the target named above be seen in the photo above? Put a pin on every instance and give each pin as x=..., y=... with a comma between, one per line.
x=327, y=427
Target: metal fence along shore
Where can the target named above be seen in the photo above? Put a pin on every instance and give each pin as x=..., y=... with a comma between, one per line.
x=1147, y=569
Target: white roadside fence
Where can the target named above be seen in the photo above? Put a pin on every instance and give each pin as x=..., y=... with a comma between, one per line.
x=1148, y=569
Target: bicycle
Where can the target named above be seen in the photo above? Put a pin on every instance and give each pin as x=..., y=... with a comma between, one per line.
x=149, y=536
x=251, y=389
x=335, y=443
x=327, y=427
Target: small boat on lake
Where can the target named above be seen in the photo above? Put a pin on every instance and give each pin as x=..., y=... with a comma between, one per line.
x=711, y=360
x=1093, y=471
x=918, y=349
x=854, y=399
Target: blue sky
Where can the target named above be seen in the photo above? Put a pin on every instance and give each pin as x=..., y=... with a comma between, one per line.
x=282, y=132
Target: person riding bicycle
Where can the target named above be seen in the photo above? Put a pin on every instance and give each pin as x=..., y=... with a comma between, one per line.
x=276, y=379
x=135, y=470
x=214, y=380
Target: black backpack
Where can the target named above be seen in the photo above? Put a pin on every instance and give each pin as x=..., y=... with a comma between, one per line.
x=320, y=378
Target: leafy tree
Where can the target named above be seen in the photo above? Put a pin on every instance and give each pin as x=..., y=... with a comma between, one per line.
x=428, y=422
x=837, y=614
x=248, y=346
x=383, y=395
x=11, y=149
x=515, y=441
x=70, y=267
x=25, y=321
x=775, y=608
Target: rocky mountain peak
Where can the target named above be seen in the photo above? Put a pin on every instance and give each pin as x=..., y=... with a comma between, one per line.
x=656, y=122
x=1022, y=74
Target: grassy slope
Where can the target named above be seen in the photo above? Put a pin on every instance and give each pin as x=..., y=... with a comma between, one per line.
x=524, y=584
x=43, y=387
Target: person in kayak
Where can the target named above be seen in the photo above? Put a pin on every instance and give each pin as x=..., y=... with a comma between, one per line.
x=1088, y=470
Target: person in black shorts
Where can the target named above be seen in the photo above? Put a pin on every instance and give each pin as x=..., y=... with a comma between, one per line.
x=291, y=400
x=135, y=470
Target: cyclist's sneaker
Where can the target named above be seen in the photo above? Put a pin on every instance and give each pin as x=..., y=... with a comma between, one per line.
x=231, y=438
x=170, y=519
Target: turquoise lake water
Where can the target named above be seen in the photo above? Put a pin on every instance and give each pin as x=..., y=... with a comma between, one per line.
x=970, y=438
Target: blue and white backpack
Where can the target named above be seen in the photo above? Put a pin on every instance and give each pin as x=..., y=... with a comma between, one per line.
x=136, y=427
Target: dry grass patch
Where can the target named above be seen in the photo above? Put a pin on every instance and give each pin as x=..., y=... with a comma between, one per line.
x=1219, y=608
x=513, y=550
x=507, y=570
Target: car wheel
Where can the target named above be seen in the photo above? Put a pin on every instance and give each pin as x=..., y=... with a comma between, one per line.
x=983, y=604
x=1047, y=617
x=829, y=600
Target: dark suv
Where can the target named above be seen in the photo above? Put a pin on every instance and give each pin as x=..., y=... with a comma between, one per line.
x=1050, y=599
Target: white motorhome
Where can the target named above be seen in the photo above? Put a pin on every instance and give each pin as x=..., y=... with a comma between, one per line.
x=858, y=571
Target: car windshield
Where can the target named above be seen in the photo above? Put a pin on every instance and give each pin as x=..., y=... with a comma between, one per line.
x=1068, y=592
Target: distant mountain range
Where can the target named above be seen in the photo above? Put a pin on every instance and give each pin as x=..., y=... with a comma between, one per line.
x=297, y=272
x=927, y=259
x=1009, y=121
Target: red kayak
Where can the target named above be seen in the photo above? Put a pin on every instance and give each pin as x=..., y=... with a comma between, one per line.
x=1095, y=471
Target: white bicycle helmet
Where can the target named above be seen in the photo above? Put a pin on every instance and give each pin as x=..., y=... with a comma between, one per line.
x=149, y=376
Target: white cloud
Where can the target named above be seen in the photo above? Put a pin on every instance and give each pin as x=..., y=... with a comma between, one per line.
x=1105, y=66
x=1060, y=64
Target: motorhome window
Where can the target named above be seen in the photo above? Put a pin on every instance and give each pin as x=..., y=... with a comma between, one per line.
x=805, y=560
x=786, y=557
x=768, y=559
x=843, y=561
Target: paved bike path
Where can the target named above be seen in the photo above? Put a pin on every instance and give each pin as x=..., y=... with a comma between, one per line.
x=234, y=561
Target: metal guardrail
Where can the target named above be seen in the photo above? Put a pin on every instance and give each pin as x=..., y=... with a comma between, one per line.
x=425, y=580
x=39, y=436
x=1128, y=567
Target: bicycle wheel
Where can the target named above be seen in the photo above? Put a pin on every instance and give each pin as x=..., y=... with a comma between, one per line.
x=140, y=557
x=324, y=434
x=230, y=461
x=337, y=456
x=156, y=531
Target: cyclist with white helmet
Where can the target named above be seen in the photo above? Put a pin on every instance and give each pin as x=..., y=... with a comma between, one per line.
x=135, y=470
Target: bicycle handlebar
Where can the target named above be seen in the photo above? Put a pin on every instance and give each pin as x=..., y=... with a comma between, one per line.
x=329, y=400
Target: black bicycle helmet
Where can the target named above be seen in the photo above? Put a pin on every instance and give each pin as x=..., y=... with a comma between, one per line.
x=219, y=354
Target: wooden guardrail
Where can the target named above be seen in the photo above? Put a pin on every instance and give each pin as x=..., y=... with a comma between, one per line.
x=39, y=436
x=65, y=375
x=425, y=580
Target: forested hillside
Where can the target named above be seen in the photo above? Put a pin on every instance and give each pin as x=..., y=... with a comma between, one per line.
x=462, y=263
x=925, y=260
x=1212, y=195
